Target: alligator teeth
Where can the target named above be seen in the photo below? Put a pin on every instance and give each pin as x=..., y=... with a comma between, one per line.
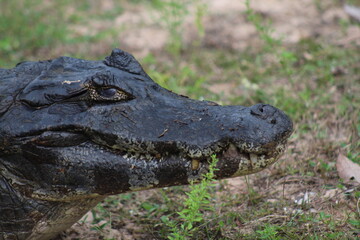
x=253, y=158
x=195, y=164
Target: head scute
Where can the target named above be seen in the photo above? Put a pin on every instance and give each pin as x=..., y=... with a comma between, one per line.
x=124, y=61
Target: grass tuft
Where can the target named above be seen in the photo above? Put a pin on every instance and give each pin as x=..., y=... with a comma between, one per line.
x=198, y=200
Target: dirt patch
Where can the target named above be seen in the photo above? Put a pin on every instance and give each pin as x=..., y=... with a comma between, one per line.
x=226, y=25
x=140, y=28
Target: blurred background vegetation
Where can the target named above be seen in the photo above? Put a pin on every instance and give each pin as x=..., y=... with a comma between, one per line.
x=301, y=56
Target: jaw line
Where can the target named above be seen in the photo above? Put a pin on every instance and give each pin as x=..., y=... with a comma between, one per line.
x=250, y=160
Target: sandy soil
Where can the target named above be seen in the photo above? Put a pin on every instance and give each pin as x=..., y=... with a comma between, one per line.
x=226, y=26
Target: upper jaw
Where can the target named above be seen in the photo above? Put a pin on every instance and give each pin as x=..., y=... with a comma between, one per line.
x=148, y=150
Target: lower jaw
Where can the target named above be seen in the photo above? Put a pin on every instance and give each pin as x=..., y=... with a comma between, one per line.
x=237, y=163
x=143, y=172
x=254, y=164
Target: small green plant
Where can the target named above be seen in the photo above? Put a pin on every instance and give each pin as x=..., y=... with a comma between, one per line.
x=172, y=16
x=201, y=9
x=272, y=44
x=265, y=31
x=198, y=200
x=270, y=232
x=183, y=81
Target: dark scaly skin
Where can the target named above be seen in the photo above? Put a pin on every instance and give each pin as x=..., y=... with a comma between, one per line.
x=74, y=131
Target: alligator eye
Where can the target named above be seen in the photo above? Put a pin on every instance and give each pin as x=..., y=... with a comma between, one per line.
x=107, y=92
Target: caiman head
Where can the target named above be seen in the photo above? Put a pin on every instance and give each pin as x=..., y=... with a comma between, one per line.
x=73, y=129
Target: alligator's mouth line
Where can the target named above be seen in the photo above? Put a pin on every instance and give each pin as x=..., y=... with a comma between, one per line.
x=251, y=159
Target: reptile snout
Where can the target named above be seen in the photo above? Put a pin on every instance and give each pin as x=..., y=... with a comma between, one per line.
x=273, y=116
x=264, y=111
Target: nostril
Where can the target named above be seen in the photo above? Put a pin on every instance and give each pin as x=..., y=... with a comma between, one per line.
x=273, y=121
x=263, y=111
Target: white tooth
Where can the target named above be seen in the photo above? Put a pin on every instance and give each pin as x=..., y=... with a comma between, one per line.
x=195, y=164
x=253, y=157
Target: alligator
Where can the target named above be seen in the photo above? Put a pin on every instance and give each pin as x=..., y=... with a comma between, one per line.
x=73, y=132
